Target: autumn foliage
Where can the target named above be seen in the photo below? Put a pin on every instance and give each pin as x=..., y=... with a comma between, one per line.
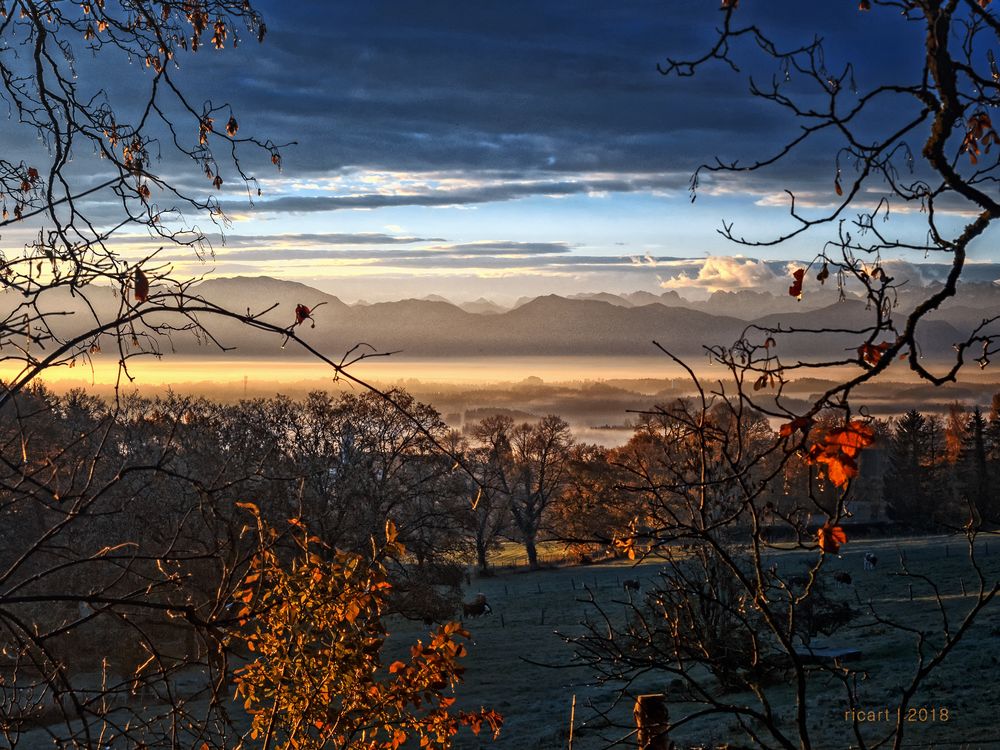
x=838, y=450
x=830, y=538
x=314, y=628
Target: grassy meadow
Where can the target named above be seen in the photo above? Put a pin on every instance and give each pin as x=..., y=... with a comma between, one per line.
x=518, y=664
x=506, y=650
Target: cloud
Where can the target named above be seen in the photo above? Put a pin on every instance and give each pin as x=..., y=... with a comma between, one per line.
x=725, y=272
x=553, y=257
x=487, y=189
x=490, y=247
x=914, y=273
x=285, y=240
x=311, y=248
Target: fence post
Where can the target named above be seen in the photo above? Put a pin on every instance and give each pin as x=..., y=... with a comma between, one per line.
x=651, y=721
x=572, y=720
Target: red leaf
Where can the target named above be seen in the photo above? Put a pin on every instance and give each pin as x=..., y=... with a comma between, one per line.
x=141, y=286
x=796, y=288
x=302, y=314
x=871, y=354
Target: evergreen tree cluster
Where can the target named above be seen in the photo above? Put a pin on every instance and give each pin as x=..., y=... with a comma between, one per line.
x=944, y=471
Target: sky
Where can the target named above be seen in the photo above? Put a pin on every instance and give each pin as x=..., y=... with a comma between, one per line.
x=520, y=148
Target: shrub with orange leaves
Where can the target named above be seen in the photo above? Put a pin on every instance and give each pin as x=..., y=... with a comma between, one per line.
x=317, y=680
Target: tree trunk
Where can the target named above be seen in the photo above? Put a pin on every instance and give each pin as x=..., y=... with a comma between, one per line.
x=529, y=547
x=481, y=554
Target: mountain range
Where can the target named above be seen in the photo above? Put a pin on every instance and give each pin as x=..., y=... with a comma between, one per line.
x=599, y=324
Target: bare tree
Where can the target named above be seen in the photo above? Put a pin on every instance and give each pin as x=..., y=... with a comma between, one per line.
x=491, y=462
x=733, y=616
x=121, y=522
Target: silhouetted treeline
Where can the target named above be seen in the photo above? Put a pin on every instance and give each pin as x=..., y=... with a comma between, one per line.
x=345, y=464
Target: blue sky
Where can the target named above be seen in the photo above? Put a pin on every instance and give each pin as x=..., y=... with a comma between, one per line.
x=501, y=149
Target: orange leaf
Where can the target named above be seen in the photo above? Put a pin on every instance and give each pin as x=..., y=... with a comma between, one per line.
x=799, y=423
x=872, y=353
x=840, y=469
x=831, y=537
x=838, y=450
x=851, y=439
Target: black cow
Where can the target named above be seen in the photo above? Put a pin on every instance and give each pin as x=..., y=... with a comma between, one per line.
x=477, y=607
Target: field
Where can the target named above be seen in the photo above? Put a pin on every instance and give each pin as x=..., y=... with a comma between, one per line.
x=507, y=647
x=518, y=665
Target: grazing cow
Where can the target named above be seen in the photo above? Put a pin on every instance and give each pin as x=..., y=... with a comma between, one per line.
x=630, y=585
x=871, y=561
x=844, y=579
x=477, y=607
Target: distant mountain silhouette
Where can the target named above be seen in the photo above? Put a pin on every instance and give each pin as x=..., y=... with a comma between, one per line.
x=592, y=325
x=482, y=306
